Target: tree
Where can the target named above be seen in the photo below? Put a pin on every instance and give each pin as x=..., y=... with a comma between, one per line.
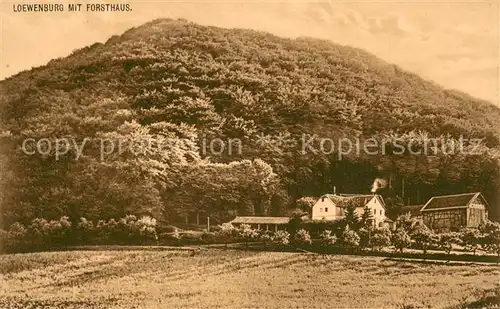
x=328, y=239
x=247, y=234
x=367, y=218
x=351, y=217
x=215, y=189
x=401, y=240
x=380, y=238
x=305, y=203
x=491, y=232
x=424, y=238
x=471, y=239
x=447, y=240
x=349, y=239
x=302, y=238
x=406, y=222
x=15, y=238
x=199, y=89
x=392, y=201
x=227, y=233
x=281, y=239
x=365, y=235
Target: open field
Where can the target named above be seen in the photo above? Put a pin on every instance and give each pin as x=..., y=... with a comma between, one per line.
x=235, y=279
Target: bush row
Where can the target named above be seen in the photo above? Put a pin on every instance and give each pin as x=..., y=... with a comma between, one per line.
x=416, y=236
x=42, y=234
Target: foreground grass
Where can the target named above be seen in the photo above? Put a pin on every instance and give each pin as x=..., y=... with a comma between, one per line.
x=237, y=279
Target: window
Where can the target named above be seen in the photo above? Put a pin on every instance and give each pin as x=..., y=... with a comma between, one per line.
x=374, y=211
x=380, y=211
x=326, y=209
x=321, y=210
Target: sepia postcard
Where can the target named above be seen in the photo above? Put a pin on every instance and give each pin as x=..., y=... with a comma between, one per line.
x=246, y=154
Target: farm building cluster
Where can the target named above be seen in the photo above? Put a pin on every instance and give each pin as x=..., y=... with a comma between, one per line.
x=451, y=212
x=440, y=213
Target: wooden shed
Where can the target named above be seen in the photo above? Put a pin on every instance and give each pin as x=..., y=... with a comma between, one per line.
x=453, y=212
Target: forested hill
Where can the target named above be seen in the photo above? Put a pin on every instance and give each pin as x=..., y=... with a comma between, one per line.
x=192, y=84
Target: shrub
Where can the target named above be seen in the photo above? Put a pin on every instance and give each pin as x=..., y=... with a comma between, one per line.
x=406, y=222
x=447, y=240
x=146, y=226
x=380, y=238
x=114, y=231
x=246, y=233
x=471, y=239
x=267, y=238
x=365, y=237
x=102, y=233
x=38, y=233
x=227, y=233
x=60, y=231
x=305, y=203
x=424, y=238
x=294, y=224
x=175, y=234
x=43, y=234
x=302, y=238
x=85, y=231
x=492, y=237
x=209, y=237
x=15, y=239
x=4, y=237
x=349, y=239
x=328, y=239
x=315, y=228
x=401, y=240
x=281, y=239
x=127, y=230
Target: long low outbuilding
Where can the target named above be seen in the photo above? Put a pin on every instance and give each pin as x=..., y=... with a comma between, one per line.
x=262, y=223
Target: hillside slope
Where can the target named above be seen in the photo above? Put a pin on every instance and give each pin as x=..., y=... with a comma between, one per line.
x=178, y=79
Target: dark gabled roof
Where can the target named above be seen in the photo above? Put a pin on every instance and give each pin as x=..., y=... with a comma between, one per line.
x=261, y=220
x=414, y=210
x=452, y=201
x=358, y=200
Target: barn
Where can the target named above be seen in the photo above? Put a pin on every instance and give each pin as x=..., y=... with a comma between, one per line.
x=452, y=212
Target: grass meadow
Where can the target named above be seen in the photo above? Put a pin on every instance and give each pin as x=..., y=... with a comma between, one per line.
x=238, y=279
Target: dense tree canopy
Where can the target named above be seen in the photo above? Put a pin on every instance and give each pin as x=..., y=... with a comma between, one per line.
x=180, y=86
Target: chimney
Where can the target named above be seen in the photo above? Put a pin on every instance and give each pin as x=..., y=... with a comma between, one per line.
x=334, y=190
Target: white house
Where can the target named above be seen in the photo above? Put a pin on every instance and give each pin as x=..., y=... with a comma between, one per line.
x=332, y=207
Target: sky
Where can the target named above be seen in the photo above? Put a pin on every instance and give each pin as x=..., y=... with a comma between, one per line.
x=455, y=44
